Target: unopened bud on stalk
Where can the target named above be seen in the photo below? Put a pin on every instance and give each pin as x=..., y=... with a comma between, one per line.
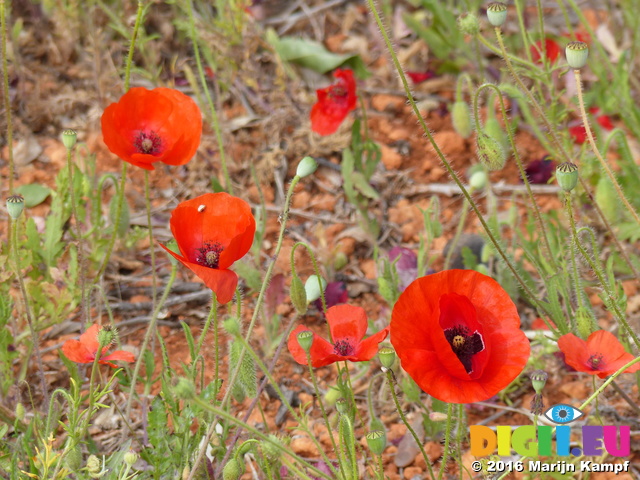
x=461, y=118
x=69, y=138
x=15, y=206
x=306, y=167
x=130, y=458
x=298, y=294
x=538, y=380
x=496, y=13
x=305, y=339
x=490, y=152
x=567, y=176
x=387, y=357
x=312, y=287
x=231, y=326
x=577, y=54
x=270, y=448
x=377, y=441
x=478, y=180
x=232, y=470
x=584, y=322
x=468, y=24
x=107, y=336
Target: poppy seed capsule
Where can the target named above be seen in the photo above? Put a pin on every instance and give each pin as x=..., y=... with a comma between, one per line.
x=298, y=295
x=577, y=54
x=387, y=357
x=538, y=380
x=567, y=176
x=461, y=119
x=490, y=152
x=305, y=339
x=15, y=205
x=69, y=138
x=496, y=13
x=377, y=441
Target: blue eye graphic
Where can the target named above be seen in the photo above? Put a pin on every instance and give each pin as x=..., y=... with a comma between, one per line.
x=562, y=413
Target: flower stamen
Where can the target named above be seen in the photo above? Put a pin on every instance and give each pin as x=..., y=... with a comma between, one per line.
x=343, y=348
x=209, y=255
x=596, y=361
x=148, y=143
x=464, y=344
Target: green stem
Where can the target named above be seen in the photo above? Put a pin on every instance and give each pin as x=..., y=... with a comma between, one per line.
x=574, y=247
x=380, y=468
x=452, y=173
x=6, y=97
x=213, y=315
x=212, y=109
x=152, y=250
x=447, y=441
x=594, y=147
x=390, y=381
x=132, y=46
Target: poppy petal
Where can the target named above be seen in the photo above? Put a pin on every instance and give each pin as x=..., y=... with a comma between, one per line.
x=119, y=355
x=77, y=352
x=347, y=322
x=321, y=351
x=90, y=338
x=368, y=348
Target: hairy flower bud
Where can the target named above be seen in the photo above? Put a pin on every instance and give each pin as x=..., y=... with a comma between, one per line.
x=496, y=13
x=577, y=54
x=184, y=388
x=313, y=288
x=232, y=470
x=306, y=167
x=298, y=294
x=567, y=176
x=461, y=119
x=490, y=152
x=468, y=23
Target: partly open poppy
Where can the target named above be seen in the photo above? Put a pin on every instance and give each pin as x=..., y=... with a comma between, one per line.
x=148, y=126
x=348, y=325
x=334, y=103
x=602, y=354
x=212, y=232
x=548, y=49
x=85, y=349
x=457, y=334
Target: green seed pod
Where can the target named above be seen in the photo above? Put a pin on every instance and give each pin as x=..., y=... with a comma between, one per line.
x=468, y=24
x=376, y=424
x=73, y=460
x=125, y=217
x=496, y=131
x=305, y=339
x=497, y=13
x=538, y=380
x=577, y=54
x=298, y=294
x=15, y=205
x=306, y=167
x=461, y=119
x=567, y=176
x=377, y=441
x=69, y=138
x=490, y=152
x=387, y=357
x=184, y=389
x=607, y=200
x=232, y=470
x=312, y=287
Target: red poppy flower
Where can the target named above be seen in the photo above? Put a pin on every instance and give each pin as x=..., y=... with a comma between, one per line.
x=550, y=49
x=148, y=126
x=579, y=134
x=602, y=354
x=213, y=231
x=457, y=334
x=85, y=349
x=334, y=103
x=348, y=325
x=419, y=77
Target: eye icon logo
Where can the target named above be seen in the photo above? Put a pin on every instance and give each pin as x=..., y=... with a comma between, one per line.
x=562, y=414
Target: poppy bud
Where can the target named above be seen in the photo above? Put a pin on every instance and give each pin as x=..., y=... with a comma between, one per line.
x=15, y=205
x=107, y=336
x=387, y=357
x=584, y=322
x=468, y=24
x=340, y=261
x=305, y=339
x=496, y=13
x=567, y=176
x=298, y=295
x=377, y=441
x=306, y=167
x=20, y=412
x=332, y=395
x=231, y=326
x=438, y=416
x=73, y=460
x=538, y=379
x=577, y=54
x=478, y=180
x=490, y=152
x=607, y=200
x=269, y=448
x=342, y=406
x=312, y=287
x=130, y=458
x=245, y=447
x=461, y=119
x=496, y=131
x=184, y=388
x=69, y=138
x=232, y=470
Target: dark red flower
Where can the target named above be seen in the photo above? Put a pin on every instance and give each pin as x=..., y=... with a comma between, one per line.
x=334, y=103
x=85, y=349
x=148, y=126
x=419, y=77
x=457, y=334
x=335, y=293
x=549, y=48
x=579, y=134
x=602, y=354
x=348, y=325
x=540, y=171
x=212, y=232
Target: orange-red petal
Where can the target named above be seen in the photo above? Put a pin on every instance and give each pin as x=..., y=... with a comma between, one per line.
x=77, y=352
x=334, y=103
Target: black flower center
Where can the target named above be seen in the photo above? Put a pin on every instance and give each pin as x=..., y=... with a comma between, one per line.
x=148, y=142
x=343, y=348
x=464, y=344
x=338, y=91
x=209, y=255
x=596, y=361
